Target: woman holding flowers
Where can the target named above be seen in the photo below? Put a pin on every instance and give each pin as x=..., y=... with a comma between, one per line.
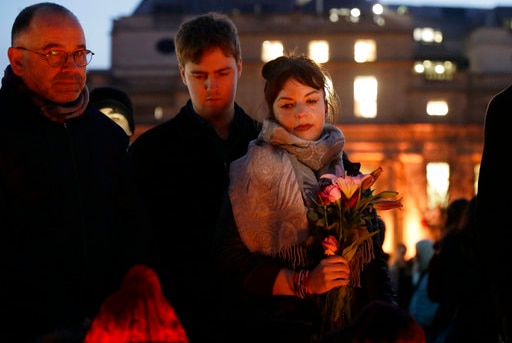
x=291, y=268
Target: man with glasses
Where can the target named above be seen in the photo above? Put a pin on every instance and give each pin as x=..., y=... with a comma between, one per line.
x=70, y=221
x=56, y=58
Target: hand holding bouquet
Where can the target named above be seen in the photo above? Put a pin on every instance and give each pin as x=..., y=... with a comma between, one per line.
x=345, y=206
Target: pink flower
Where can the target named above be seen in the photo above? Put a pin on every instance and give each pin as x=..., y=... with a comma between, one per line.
x=330, y=245
x=330, y=194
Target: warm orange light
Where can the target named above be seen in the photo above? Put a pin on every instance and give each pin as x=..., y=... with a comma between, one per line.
x=137, y=313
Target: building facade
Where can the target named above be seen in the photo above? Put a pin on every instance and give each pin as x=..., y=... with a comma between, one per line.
x=414, y=83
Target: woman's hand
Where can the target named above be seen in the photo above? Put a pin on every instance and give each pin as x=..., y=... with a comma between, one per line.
x=333, y=271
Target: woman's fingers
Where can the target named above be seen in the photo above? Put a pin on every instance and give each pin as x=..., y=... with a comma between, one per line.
x=332, y=271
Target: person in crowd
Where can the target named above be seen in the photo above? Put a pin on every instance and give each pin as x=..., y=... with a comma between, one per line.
x=420, y=306
x=273, y=281
x=453, y=216
x=137, y=313
x=116, y=105
x=181, y=167
x=379, y=322
x=492, y=207
x=453, y=283
x=400, y=272
x=71, y=223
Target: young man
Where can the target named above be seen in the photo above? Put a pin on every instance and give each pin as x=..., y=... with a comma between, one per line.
x=182, y=168
x=69, y=217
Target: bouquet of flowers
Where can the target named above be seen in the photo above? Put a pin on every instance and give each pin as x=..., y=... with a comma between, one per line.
x=345, y=208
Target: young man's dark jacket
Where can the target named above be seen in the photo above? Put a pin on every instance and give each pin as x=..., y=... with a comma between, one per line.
x=181, y=167
x=70, y=224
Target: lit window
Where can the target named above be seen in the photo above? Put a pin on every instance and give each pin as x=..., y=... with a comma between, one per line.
x=419, y=68
x=271, y=50
x=477, y=175
x=378, y=9
x=438, y=182
x=427, y=35
x=365, y=97
x=352, y=15
x=355, y=13
x=158, y=113
x=435, y=70
x=365, y=51
x=437, y=108
x=319, y=51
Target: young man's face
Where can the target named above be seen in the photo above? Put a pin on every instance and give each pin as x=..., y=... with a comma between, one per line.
x=212, y=83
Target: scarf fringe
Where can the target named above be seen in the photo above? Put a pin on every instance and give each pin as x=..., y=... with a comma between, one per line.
x=363, y=256
x=295, y=256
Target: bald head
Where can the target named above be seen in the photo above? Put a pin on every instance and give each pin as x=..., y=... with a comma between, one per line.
x=26, y=16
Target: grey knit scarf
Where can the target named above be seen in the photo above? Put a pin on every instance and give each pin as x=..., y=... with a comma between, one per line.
x=270, y=185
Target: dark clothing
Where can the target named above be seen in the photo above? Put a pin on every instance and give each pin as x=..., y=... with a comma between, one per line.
x=182, y=170
x=69, y=222
x=404, y=286
x=379, y=322
x=454, y=283
x=255, y=315
x=493, y=206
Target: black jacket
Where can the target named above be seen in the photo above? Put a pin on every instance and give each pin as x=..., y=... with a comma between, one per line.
x=493, y=206
x=69, y=218
x=181, y=167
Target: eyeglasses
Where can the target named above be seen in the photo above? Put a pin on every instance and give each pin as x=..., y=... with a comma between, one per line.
x=57, y=58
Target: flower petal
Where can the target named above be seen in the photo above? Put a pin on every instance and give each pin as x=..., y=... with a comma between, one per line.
x=387, y=204
x=349, y=185
x=331, y=193
x=386, y=195
x=369, y=181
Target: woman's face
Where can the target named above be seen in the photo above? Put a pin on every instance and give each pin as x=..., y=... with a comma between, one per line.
x=301, y=110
